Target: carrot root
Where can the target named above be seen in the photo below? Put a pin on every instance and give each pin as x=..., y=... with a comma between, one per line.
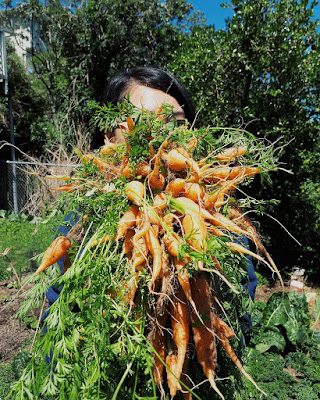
x=58, y=249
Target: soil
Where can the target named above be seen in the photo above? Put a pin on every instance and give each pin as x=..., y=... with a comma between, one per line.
x=15, y=336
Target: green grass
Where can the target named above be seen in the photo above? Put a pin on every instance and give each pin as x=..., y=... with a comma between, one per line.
x=25, y=240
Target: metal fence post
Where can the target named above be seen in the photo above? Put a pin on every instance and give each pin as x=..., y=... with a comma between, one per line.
x=13, y=156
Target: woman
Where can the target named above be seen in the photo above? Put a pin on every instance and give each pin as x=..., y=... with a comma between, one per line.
x=147, y=88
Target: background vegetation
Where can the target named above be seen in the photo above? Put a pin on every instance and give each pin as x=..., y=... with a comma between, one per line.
x=260, y=72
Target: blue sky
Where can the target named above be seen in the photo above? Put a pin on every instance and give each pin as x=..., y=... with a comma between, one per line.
x=216, y=15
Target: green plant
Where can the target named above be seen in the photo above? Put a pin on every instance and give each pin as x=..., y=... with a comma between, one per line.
x=7, y=378
x=283, y=323
x=262, y=279
x=284, y=354
x=10, y=373
x=281, y=378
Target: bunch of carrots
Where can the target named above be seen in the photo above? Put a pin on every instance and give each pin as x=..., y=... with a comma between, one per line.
x=178, y=205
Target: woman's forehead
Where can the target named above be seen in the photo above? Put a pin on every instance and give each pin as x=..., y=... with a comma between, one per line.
x=151, y=99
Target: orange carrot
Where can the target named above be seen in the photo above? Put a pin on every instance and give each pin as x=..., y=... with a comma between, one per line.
x=132, y=286
x=216, y=200
x=151, y=149
x=203, y=334
x=135, y=192
x=217, y=174
x=62, y=177
x=176, y=187
x=130, y=123
x=160, y=202
x=127, y=221
x=109, y=148
x=167, y=276
x=125, y=167
x=155, y=179
x=220, y=220
x=179, y=159
x=142, y=168
x=66, y=263
x=69, y=187
x=102, y=164
x=229, y=350
x=168, y=220
x=226, y=188
x=171, y=361
x=104, y=239
x=230, y=154
x=158, y=339
x=141, y=232
x=194, y=192
x=140, y=251
x=127, y=244
x=237, y=216
x=54, y=253
x=187, y=206
x=219, y=325
x=155, y=250
x=196, y=231
x=183, y=278
x=153, y=215
x=236, y=247
x=85, y=218
x=193, y=143
x=172, y=244
x=180, y=321
x=185, y=379
x=215, y=231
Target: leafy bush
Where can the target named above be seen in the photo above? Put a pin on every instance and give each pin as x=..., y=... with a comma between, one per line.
x=285, y=356
x=281, y=323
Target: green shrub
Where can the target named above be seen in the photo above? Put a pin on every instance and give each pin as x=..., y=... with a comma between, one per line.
x=284, y=358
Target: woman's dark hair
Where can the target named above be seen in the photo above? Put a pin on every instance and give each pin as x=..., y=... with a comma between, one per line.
x=154, y=78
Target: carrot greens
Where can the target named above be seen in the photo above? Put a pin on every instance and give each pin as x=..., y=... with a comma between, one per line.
x=150, y=270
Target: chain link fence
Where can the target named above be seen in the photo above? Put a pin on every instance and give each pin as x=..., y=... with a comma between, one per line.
x=28, y=189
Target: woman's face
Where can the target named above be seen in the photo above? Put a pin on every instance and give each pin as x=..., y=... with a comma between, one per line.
x=149, y=99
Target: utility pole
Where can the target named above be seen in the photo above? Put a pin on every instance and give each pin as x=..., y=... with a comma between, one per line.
x=8, y=92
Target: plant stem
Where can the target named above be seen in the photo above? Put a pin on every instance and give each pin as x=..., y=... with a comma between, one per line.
x=121, y=381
